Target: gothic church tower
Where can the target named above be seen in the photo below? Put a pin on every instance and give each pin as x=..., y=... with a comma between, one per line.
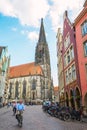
x=42, y=58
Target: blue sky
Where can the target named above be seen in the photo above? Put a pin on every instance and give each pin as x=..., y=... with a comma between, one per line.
x=20, y=25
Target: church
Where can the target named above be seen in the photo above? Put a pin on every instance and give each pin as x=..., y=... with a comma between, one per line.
x=32, y=81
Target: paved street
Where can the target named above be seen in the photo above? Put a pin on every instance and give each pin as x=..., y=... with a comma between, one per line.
x=36, y=119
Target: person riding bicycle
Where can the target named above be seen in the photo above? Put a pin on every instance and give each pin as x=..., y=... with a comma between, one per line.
x=20, y=108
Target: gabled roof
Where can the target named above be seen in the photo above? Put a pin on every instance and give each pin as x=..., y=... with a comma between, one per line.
x=67, y=25
x=25, y=70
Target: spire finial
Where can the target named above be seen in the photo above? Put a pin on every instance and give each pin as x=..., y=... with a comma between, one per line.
x=42, y=37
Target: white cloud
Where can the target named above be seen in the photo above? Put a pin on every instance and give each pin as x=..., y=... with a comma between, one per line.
x=33, y=36
x=58, y=8
x=22, y=32
x=14, y=29
x=7, y=8
x=29, y=12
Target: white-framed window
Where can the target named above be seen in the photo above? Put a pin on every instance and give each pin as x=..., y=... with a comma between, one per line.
x=69, y=74
x=84, y=28
x=67, y=41
x=85, y=48
x=73, y=72
x=86, y=70
x=66, y=77
x=65, y=60
x=71, y=52
x=68, y=57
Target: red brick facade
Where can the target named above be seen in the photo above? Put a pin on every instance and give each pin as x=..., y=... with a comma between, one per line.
x=81, y=45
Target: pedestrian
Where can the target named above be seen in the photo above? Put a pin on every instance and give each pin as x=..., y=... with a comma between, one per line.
x=14, y=107
x=81, y=113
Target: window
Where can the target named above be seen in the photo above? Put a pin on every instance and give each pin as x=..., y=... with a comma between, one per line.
x=69, y=73
x=66, y=75
x=71, y=53
x=16, y=90
x=10, y=89
x=33, y=84
x=67, y=41
x=65, y=60
x=84, y=28
x=73, y=72
x=86, y=70
x=68, y=57
x=24, y=89
x=85, y=48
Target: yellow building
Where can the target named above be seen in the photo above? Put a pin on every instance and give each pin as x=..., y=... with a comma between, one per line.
x=60, y=67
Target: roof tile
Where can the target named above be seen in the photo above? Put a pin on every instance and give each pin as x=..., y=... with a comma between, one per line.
x=25, y=70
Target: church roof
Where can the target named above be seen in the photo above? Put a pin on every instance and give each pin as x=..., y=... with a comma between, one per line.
x=42, y=37
x=25, y=70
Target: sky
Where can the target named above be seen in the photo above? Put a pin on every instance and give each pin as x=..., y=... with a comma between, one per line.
x=20, y=25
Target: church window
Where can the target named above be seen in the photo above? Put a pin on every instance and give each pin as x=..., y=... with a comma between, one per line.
x=10, y=90
x=24, y=89
x=33, y=84
x=16, y=90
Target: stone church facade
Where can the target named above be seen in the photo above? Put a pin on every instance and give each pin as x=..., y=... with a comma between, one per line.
x=32, y=81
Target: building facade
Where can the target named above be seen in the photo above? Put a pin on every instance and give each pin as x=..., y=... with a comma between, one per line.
x=60, y=67
x=42, y=58
x=32, y=82
x=4, y=69
x=56, y=92
x=81, y=45
x=72, y=90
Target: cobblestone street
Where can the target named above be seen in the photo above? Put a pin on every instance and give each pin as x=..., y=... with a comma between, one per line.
x=36, y=119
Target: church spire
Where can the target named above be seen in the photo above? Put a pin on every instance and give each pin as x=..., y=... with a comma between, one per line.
x=42, y=37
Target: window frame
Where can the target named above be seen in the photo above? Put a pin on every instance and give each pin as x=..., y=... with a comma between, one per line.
x=84, y=28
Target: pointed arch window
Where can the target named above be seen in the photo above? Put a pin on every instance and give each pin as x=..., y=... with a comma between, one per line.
x=33, y=84
x=10, y=90
x=24, y=89
x=16, y=89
